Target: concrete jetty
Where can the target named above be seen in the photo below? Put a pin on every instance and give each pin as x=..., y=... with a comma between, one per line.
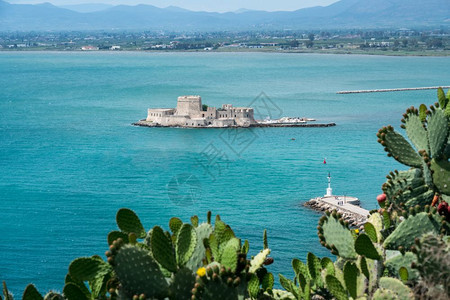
x=393, y=90
x=346, y=205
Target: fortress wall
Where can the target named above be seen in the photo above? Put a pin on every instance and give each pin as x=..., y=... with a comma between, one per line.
x=174, y=121
x=155, y=115
x=223, y=122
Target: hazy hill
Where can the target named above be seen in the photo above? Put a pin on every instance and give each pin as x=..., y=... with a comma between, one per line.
x=342, y=14
x=88, y=7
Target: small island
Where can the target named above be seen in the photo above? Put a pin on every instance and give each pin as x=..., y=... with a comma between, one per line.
x=192, y=114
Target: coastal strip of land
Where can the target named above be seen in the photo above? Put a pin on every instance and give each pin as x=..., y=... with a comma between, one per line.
x=393, y=90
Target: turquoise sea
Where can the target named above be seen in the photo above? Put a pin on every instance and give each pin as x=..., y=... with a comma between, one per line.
x=69, y=157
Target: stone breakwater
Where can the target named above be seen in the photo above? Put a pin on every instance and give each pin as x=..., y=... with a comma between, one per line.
x=392, y=90
x=354, y=219
x=145, y=123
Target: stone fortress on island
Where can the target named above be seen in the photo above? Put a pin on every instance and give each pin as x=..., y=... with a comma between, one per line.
x=191, y=113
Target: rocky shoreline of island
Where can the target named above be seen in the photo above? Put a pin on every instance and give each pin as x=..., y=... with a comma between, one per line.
x=144, y=123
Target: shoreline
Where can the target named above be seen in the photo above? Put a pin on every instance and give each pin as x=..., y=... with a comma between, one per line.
x=444, y=53
x=143, y=123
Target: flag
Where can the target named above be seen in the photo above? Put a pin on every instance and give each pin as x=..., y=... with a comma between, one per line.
x=325, y=161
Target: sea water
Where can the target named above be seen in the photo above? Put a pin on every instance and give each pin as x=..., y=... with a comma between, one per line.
x=70, y=158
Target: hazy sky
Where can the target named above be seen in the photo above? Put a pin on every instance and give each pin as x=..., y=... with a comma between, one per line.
x=206, y=5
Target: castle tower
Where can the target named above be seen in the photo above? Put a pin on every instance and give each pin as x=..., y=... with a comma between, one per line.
x=189, y=106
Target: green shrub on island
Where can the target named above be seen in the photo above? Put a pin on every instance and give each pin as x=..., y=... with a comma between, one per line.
x=402, y=252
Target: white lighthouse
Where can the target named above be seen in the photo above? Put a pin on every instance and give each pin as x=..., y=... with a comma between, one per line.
x=329, y=189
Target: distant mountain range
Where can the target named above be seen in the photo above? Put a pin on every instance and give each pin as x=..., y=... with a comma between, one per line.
x=342, y=14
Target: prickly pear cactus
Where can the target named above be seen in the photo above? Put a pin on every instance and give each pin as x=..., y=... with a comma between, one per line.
x=31, y=293
x=433, y=265
x=428, y=131
x=137, y=271
x=215, y=282
x=415, y=225
x=335, y=235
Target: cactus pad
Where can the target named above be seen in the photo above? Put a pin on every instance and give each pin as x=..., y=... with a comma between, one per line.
x=384, y=294
x=186, y=242
x=399, y=147
x=73, y=292
x=182, y=283
x=351, y=273
x=336, y=288
x=394, y=263
x=314, y=268
x=88, y=268
x=395, y=285
x=437, y=132
x=229, y=257
x=328, y=266
x=364, y=246
x=337, y=234
x=300, y=268
x=371, y=231
x=162, y=249
x=139, y=273
x=175, y=224
x=441, y=175
x=258, y=260
x=267, y=282
x=412, y=227
x=203, y=231
x=114, y=235
x=416, y=132
x=129, y=222
x=31, y=293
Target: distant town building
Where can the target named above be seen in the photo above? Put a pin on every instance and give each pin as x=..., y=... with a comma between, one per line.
x=89, y=48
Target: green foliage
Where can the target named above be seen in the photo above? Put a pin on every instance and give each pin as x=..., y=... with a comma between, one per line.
x=139, y=273
x=162, y=249
x=186, y=241
x=351, y=273
x=433, y=265
x=129, y=222
x=428, y=131
x=397, y=261
x=392, y=284
x=414, y=226
x=336, y=288
x=73, y=292
x=31, y=293
x=336, y=236
x=364, y=247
